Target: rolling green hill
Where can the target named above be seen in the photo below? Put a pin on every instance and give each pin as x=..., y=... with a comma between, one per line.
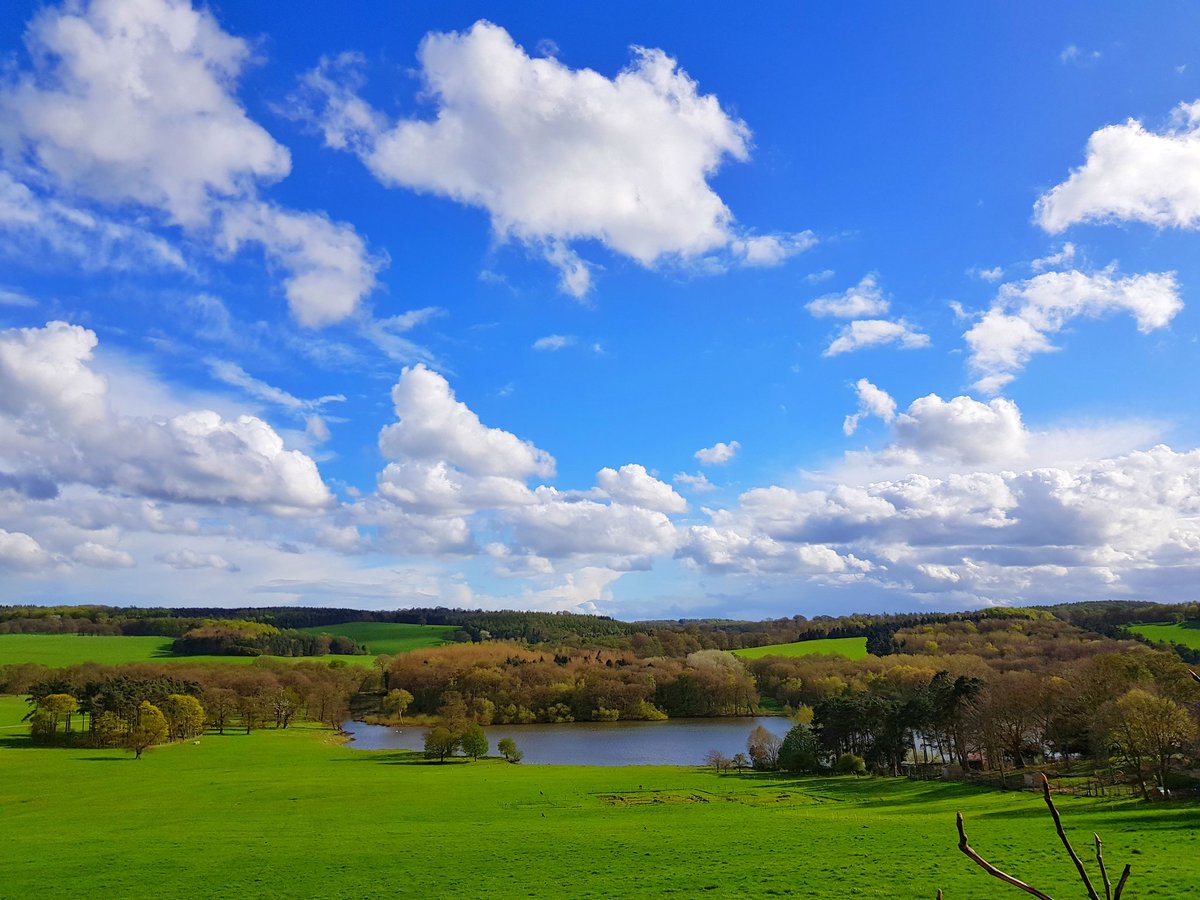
x=851, y=648
x=72, y=649
x=1186, y=633
x=388, y=637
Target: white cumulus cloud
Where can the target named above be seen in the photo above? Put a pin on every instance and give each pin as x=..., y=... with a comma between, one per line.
x=1025, y=315
x=718, y=454
x=20, y=551
x=864, y=333
x=434, y=425
x=554, y=154
x=57, y=422
x=872, y=401
x=1132, y=174
x=98, y=556
x=864, y=299
x=634, y=486
x=327, y=265
x=962, y=430
x=697, y=483
x=135, y=103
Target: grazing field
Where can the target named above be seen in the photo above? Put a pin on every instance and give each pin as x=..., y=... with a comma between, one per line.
x=388, y=637
x=72, y=649
x=851, y=648
x=1186, y=633
x=185, y=820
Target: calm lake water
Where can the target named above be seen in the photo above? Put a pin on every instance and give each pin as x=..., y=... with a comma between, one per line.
x=676, y=742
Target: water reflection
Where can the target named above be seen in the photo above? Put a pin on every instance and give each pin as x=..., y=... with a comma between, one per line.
x=676, y=742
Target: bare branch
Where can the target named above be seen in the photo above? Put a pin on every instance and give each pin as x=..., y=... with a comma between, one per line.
x=1087, y=882
x=1103, y=871
x=992, y=870
x=1121, y=883
x=1193, y=674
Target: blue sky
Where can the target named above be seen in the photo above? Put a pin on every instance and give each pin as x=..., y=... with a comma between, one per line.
x=667, y=311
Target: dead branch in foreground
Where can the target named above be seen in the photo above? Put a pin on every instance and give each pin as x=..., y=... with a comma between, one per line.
x=1109, y=894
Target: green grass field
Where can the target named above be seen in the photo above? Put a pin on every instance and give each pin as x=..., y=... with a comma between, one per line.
x=1186, y=633
x=851, y=648
x=72, y=649
x=295, y=814
x=389, y=637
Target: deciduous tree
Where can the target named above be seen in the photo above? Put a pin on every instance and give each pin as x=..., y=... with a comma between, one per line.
x=221, y=705
x=397, y=701
x=1148, y=731
x=508, y=749
x=149, y=729
x=184, y=715
x=763, y=748
x=474, y=742
x=798, y=752
x=440, y=743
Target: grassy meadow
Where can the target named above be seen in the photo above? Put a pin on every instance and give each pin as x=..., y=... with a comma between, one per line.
x=72, y=649
x=851, y=648
x=296, y=814
x=1186, y=633
x=388, y=637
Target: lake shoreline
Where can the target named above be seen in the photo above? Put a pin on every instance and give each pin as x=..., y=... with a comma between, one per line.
x=672, y=742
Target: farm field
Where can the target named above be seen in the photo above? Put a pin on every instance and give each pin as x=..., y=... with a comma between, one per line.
x=851, y=648
x=388, y=637
x=337, y=822
x=72, y=649
x=1186, y=633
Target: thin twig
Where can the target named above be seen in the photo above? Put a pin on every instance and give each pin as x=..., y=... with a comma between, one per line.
x=1103, y=871
x=992, y=870
x=1087, y=882
x=1193, y=674
x=1121, y=883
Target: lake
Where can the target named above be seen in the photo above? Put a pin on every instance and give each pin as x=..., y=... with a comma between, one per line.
x=675, y=742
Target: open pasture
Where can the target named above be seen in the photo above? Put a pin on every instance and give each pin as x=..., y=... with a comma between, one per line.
x=388, y=637
x=1186, y=633
x=73, y=649
x=188, y=820
x=851, y=648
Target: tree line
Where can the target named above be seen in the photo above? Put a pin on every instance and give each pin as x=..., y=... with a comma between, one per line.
x=998, y=696
x=124, y=706
x=674, y=638
x=247, y=638
x=503, y=682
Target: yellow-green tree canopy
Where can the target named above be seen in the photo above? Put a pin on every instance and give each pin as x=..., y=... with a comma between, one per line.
x=150, y=729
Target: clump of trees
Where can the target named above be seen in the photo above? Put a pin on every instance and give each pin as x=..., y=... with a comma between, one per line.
x=232, y=637
x=111, y=706
x=442, y=742
x=502, y=682
x=998, y=695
